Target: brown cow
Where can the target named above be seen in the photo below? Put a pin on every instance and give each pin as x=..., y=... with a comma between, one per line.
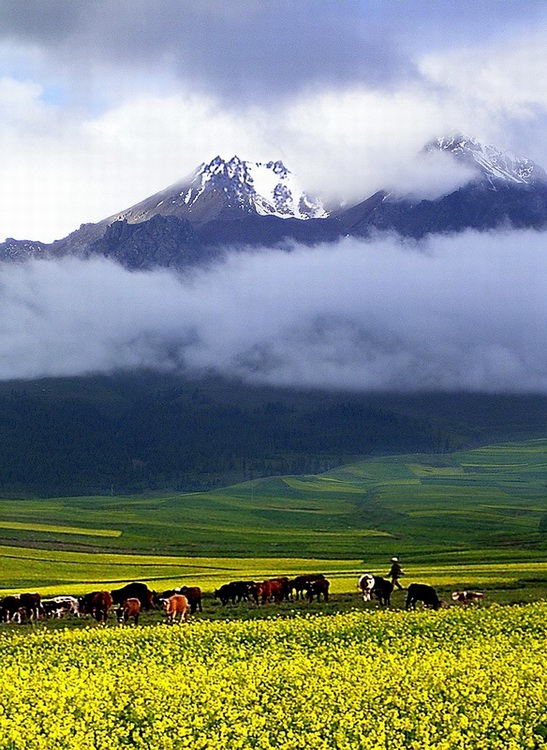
x=21, y=607
x=130, y=608
x=96, y=604
x=272, y=590
x=193, y=594
x=285, y=585
x=175, y=605
x=467, y=597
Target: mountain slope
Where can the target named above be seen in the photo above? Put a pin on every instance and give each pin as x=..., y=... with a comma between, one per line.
x=140, y=431
x=508, y=191
x=495, y=166
x=238, y=203
x=229, y=190
x=165, y=241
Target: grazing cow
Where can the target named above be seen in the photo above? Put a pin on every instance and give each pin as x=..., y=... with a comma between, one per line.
x=235, y=592
x=382, y=590
x=130, y=608
x=285, y=586
x=32, y=604
x=299, y=584
x=193, y=594
x=316, y=588
x=263, y=591
x=467, y=597
x=241, y=590
x=135, y=590
x=60, y=606
x=10, y=606
x=97, y=604
x=175, y=605
x=420, y=592
x=19, y=607
x=366, y=584
x=225, y=593
x=272, y=590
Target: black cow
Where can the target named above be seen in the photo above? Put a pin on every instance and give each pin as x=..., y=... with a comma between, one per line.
x=382, y=590
x=299, y=584
x=316, y=588
x=193, y=594
x=420, y=592
x=10, y=606
x=135, y=590
x=19, y=607
x=235, y=592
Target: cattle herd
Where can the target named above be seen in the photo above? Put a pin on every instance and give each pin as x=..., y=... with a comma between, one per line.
x=130, y=601
x=275, y=590
x=178, y=603
x=381, y=589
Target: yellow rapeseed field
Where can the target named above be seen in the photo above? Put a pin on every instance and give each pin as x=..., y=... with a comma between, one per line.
x=457, y=678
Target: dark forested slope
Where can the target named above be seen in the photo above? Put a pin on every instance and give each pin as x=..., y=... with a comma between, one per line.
x=127, y=433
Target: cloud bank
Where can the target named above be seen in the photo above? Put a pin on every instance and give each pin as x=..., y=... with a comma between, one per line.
x=465, y=312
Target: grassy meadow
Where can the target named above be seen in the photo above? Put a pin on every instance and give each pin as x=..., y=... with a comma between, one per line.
x=468, y=518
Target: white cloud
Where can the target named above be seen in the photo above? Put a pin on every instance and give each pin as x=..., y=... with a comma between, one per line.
x=357, y=141
x=129, y=130
x=505, y=80
x=504, y=75
x=462, y=312
x=61, y=169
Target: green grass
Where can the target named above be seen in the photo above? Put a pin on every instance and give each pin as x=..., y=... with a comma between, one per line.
x=448, y=516
x=33, y=527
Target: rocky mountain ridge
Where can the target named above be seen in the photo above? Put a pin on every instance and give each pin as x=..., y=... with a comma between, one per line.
x=236, y=203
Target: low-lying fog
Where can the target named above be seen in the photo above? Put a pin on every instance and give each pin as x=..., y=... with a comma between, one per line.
x=456, y=312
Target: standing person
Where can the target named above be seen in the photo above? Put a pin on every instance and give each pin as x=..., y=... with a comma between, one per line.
x=396, y=572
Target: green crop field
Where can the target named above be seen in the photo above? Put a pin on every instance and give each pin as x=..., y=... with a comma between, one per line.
x=467, y=518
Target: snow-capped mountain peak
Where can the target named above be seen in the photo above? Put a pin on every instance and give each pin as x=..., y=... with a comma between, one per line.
x=265, y=188
x=496, y=166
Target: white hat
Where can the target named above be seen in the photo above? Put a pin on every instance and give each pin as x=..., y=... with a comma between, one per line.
x=394, y=559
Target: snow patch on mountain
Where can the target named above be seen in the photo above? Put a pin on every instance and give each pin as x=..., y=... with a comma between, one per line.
x=498, y=167
x=267, y=188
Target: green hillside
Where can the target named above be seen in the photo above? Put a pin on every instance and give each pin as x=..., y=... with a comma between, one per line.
x=476, y=507
x=146, y=432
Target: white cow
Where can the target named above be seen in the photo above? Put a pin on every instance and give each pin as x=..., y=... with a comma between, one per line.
x=467, y=597
x=59, y=606
x=366, y=584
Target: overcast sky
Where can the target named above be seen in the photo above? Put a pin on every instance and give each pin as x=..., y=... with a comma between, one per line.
x=104, y=102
